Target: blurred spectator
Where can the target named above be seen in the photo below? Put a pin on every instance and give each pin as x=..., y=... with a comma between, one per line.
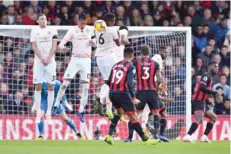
x=158, y=21
x=196, y=19
x=219, y=7
x=71, y=8
x=63, y=15
x=4, y=20
x=109, y=7
x=2, y=7
x=30, y=16
x=148, y=20
x=222, y=83
x=219, y=101
x=200, y=38
x=1, y=53
x=1, y=74
x=188, y=21
x=206, y=30
x=207, y=18
x=212, y=42
x=16, y=55
x=57, y=21
x=6, y=98
x=225, y=56
x=180, y=9
x=227, y=106
x=227, y=41
x=18, y=105
x=8, y=47
x=226, y=70
x=35, y=6
x=18, y=20
x=207, y=55
x=121, y=15
x=144, y=10
x=136, y=18
x=11, y=14
x=199, y=68
x=219, y=31
x=18, y=7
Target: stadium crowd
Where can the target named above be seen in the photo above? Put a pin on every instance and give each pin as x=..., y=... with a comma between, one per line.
x=210, y=22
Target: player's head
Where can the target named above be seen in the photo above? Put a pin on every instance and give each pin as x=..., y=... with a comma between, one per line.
x=145, y=50
x=213, y=67
x=110, y=19
x=123, y=27
x=129, y=53
x=82, y=20
x=163, y=51
x=42, y=20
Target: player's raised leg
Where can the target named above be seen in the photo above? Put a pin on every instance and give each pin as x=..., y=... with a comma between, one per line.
x=68, y=121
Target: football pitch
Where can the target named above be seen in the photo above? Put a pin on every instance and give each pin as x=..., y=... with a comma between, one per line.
x=99, y=147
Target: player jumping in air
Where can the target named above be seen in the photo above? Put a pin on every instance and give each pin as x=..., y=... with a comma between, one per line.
x=119, y=50
x=123, y=97
x=105, y=57
x=59, y=111
x=44, y=44
x=199, y=98
x=147, y=69
x=82, y=38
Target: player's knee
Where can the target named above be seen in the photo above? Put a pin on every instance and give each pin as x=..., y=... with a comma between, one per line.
x=199, y=117
x=155, y=112
x=65, y=84
x=38, y=87
x=213, y=118
x=50, y=87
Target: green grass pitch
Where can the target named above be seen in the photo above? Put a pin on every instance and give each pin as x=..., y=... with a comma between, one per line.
x=99, y=147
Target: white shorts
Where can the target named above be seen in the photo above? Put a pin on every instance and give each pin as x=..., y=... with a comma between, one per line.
x=43, y=73
x=105, y=64
x=79, y=65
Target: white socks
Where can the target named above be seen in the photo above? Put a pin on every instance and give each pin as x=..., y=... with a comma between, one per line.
x=37, y=106
x=84, y=96
x=145, y=114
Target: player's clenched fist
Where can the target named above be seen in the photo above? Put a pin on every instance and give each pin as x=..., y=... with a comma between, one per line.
x=135, y=101
x=163, y=88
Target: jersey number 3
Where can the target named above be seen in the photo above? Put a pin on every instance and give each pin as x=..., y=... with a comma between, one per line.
x=146, y=73
x=118, y=74
x=101, y=39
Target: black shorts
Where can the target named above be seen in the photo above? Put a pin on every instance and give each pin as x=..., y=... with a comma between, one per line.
x=149, y=97
x=122, y=100
x=198, y=105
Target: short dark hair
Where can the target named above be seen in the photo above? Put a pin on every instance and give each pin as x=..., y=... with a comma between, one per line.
x=199, y=25
x=219, y=87
x=40, y=14
x=82, y=16
x=128, y=52
x=224, y=46
x=223, y=74
x=212, y=63
x=145, y=50
x=123, y=27
x=109, y=17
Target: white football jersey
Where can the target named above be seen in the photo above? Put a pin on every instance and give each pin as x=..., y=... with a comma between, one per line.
x=119, y=50
x=105, y=41
x=159, y=60
x=80, y=40
x=43, y=38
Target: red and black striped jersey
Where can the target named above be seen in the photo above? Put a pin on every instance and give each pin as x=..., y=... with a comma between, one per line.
x=198, y=94
x=146, y=69
x=121, y=77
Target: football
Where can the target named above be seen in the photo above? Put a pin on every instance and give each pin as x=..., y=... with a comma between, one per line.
x=100, y=25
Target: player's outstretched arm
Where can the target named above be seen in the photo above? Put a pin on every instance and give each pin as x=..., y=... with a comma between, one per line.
x=67, y=38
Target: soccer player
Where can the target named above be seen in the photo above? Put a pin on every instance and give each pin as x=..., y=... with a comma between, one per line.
x=147, y=69
x=123, y=97
x=105, y=57
x=199, y=97
x=59, y=111
x=44, y=44
x=119, y=50
x=82, y=38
